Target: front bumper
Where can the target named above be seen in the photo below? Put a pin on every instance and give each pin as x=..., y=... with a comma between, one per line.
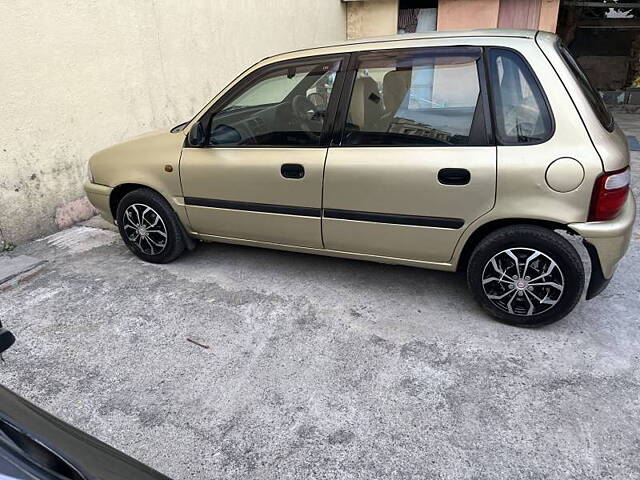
x=99, y=195
x=606, y=242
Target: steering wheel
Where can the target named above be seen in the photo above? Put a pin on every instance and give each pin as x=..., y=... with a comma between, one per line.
x=307, y=114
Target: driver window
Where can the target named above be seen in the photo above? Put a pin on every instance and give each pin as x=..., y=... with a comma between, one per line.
x=521, y=113
x=284, y=107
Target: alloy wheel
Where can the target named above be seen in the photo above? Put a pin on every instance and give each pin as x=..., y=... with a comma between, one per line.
x=523, y=281
x=145, y=228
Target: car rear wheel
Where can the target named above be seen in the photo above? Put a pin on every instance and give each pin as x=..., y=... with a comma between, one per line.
x=149, y=227
x=527, y=276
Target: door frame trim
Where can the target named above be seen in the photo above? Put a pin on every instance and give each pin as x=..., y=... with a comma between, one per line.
x=394, y=219
x=253, y=207
x=329, y=213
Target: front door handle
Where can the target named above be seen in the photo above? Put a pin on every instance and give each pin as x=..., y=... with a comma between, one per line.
x=454, y=176
x=292, y=170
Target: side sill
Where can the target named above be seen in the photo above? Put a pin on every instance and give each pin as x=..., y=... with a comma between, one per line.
x=447, y=267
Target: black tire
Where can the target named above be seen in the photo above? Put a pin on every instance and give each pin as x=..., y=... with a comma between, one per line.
x=150, y=246
x=542, y=247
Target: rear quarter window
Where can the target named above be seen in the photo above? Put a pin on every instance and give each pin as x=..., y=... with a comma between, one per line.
x=522, y=115
x=592, y=95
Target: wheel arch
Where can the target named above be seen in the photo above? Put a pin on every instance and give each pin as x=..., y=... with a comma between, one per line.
x=485, y=229
x=118, y=193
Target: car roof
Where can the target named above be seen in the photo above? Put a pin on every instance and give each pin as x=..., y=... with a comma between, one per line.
x=481, y=32
x=400, y=39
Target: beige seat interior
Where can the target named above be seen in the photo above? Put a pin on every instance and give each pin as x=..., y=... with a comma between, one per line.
x=366, y=104
x=395, y=87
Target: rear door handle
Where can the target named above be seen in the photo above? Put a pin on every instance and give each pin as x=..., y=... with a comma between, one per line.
x=292, y=170
x=454, y=176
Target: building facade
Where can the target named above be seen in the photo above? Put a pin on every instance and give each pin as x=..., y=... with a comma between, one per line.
x=603, y=36
x=366, y=18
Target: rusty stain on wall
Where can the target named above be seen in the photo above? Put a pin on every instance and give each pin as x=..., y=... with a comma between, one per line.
x=74, y=212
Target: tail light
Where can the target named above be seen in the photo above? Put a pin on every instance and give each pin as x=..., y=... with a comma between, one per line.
x=609, y=195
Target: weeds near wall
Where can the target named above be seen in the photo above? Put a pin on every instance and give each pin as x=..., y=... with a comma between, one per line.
x=6, y=246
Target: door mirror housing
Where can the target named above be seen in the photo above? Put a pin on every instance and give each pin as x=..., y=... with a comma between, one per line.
x=196, y=135
x=225, y=135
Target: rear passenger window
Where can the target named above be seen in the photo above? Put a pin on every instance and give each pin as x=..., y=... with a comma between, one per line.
x=425, y=97
x=521, y=112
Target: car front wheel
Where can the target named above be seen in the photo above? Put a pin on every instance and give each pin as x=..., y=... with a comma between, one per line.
x=149, y=227
x=527, y=276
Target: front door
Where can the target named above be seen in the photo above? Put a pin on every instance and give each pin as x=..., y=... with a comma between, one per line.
x=259, y=174
x=415, y=164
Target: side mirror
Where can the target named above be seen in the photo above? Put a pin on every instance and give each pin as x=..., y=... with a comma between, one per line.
x=225, y=135
x=196, y=135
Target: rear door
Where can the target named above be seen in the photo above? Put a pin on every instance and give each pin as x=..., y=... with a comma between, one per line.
x=259, y=175
x=414, y=163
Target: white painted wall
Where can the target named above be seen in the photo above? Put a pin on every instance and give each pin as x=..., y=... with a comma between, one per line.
x=79, y=75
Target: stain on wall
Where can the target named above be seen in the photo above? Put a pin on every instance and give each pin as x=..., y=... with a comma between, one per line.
x=74, y=212
x=372, y=18
x=79, y=76
x=465, y=14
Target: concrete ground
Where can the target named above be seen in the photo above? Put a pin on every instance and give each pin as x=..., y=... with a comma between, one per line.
x=321, y=368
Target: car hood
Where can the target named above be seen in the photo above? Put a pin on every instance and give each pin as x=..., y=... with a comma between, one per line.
x=141, y=160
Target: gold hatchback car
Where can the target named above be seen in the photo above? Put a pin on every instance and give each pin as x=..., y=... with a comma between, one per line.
x=453, y=151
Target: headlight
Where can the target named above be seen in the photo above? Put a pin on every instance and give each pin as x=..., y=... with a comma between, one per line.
x=89, y=174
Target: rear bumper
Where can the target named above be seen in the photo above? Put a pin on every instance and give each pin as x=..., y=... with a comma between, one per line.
x=99, y=195
x=606, y=242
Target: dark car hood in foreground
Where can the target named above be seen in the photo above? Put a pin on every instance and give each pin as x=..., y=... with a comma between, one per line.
x=37, y=445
